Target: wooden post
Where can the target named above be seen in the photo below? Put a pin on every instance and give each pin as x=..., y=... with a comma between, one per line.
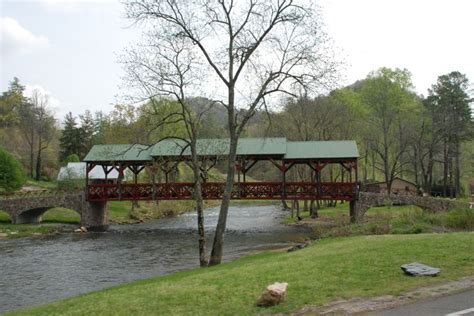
x=356, y=180
x=297, y=202
x=350, y=174
x=153, y=184
x=120, y=178
x=87, y=180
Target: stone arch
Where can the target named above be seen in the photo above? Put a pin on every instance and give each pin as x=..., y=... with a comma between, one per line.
x=62, y=215
x=367, y=200
x=29, y=209
x=35, y=215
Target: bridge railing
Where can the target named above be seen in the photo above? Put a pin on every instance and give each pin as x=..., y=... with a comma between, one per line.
x=215, y=191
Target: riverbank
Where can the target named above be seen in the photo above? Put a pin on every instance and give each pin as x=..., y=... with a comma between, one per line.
x=326, y=270
x=406, y=219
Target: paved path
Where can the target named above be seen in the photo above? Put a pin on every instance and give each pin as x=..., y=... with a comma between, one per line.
x=461, y=304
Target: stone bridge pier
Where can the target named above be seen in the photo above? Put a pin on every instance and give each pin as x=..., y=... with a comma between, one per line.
x=30, y=209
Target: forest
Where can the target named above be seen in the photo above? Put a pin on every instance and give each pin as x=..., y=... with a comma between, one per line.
x=427, y=140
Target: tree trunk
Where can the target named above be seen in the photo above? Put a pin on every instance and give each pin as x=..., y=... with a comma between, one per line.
x=32, y=159
x=199, y=206
x=218, y=244
x=457, y=176
x=445, y=168
x=38, y=164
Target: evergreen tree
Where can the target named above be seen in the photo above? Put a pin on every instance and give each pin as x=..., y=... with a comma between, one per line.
x=71, y=138
x=87, y=131
x=450, y=102
x=10, y=102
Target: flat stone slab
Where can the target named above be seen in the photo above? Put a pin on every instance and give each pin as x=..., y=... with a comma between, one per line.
x=419, y=269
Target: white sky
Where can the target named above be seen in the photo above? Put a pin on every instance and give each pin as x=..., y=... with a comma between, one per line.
x=68, y=48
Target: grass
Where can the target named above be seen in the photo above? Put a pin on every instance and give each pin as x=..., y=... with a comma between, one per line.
x=49, y=185
x=327, y=270
x=334, y=222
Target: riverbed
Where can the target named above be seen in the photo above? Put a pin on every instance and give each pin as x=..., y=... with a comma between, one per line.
x=41, y=270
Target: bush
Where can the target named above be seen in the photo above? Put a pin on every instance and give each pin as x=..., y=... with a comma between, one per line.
x=72, y=158
x=461, y=219
x=12, y=176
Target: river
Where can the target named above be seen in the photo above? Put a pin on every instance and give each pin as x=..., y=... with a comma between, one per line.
x=44, y=269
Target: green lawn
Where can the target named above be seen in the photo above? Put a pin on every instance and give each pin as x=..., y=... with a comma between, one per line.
x=327, y=270
x=407, y=219
x=49, y=185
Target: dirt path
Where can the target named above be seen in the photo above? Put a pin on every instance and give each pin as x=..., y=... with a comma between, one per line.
x=365, y=305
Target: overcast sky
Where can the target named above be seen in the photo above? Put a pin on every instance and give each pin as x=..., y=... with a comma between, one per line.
x=68, y=48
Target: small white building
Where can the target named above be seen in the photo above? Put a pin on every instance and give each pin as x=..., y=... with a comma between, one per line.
x=77, y=171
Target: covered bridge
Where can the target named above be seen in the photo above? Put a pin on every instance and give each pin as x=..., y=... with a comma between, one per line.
x=281, y=153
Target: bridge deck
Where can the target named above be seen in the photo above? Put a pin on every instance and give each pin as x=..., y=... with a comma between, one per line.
x=346, y=191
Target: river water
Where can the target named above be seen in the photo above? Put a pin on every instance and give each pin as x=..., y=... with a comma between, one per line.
x=44, y=269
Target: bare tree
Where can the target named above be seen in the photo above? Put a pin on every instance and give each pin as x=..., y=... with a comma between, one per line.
x=164, y=67
x=43, y=126
x=248, y=51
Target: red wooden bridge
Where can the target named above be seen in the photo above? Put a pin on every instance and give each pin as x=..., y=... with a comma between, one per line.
x=143, y=162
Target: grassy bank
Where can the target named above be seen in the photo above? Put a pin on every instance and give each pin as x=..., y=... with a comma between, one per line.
x=327, y=270
x=334, y=221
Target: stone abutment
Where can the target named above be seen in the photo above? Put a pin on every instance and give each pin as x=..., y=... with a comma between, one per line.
x=30, y=209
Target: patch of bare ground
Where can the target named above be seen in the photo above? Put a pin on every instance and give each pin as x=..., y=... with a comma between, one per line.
x=363, y=305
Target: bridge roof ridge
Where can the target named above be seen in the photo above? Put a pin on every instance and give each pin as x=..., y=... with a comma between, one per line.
x=258, y=146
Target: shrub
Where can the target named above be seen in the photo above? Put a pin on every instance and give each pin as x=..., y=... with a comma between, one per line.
x=12, y=175
x=72, y=158
x=461, y=219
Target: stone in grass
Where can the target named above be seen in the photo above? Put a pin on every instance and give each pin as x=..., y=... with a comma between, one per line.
x=82, y=229
x=273, y=295
x=419, y=269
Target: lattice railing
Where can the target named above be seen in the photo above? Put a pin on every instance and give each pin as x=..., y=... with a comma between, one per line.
x=215, y=190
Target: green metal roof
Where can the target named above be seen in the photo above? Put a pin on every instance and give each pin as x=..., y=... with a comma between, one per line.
x=122, y=152
x=262, y=146
x=178, y=147
x=277, y=146
x=321, y=149
x=220, y=147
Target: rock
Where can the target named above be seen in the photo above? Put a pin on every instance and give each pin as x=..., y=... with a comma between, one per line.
x=83, y=229
x=2, y=235
x=273, y=295
x=419, y=269
x=14, y=233
x=78, y=230
x=297, y=247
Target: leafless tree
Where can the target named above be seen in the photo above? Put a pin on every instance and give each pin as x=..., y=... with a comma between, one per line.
x=44, y=123
x=248, y=52
x=164, y=66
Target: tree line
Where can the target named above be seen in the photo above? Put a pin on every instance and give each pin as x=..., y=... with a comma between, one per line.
x=424, y=139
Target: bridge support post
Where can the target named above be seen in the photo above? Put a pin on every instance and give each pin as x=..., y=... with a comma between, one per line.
x=95, y=216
